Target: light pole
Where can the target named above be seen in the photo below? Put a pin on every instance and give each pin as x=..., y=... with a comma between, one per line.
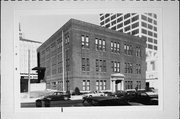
x=67, y=81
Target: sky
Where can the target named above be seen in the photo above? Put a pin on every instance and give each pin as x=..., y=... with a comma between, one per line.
x=40, y=28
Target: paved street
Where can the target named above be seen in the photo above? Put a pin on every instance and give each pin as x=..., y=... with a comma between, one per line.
x=69, y=103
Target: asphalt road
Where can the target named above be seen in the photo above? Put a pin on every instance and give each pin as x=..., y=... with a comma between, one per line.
x=69, y=103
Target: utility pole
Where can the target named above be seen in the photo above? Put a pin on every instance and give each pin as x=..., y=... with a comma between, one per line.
x=29, y=78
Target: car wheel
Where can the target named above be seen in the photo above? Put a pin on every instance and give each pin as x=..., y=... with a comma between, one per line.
x=38, y=103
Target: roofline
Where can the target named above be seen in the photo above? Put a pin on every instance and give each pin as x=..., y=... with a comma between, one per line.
x=75, y=21
x=23, y=39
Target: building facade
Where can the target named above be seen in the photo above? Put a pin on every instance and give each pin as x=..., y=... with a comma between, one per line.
x=138, y=24
x=24, y=46
x=90, y=57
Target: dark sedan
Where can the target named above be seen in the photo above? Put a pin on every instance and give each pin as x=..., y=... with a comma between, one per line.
x=56, y=96
x=147, y=98
x=105, y=101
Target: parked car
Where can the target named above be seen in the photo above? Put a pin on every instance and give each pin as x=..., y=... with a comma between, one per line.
x=56, y=96
x=104, y=101
x=93, y=94
x=148, y=98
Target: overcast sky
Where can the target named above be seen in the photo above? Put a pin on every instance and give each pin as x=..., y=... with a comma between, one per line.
x=40, y=28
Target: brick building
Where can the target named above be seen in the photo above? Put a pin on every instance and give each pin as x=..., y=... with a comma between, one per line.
x=91, y=58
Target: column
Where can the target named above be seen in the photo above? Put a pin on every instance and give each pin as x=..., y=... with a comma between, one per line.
x=122, y=84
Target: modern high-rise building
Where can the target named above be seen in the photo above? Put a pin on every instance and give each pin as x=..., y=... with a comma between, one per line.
x=89, y=57
x=27, y=47
x=138, y=24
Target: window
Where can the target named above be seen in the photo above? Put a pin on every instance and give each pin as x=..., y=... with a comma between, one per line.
x=106, y=15
x=113, y=28
x=112, y=46
x=107, y=20
x=87, y=42
x=118, y=67
x=127, y=22
x=126, y=16
x=115, y=47
x=150, y=26
x=101, y=85
x=102, y=18
x=134, y=32
x=155, y=41
x=150, y=20
x=155, y=35
x=118, y=47
x=138, y=68
x=102, y=23
x=88, y=85
x=104, y=85
x=84, y=41
x=135, y=18
x=135, y=25
x=120, y=25
x=150, y=33
x=128, y=84
x=85, y=64
x=119, y=19
x=100, y=65
x=150, y=40
x=150, y=46
x=84, y=85
x=155, y=28
x=97, y=65
x=144, y=17
x=96, y=43
x=115, y=66
x=144, y=31
x=100, y=44
x=104, y=45
x=118, y=14
x=128, y=67
x=97, y=84
x=107, y=26
x=138, y=84
x=113, y=23
x=127, y=28
x=144, y=24
x=155, y=22
x=128, y=49
x=138, y=51
x=104, y=66
x=155, y=47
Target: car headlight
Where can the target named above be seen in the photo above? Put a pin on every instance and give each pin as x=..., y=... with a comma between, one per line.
x=48, y=98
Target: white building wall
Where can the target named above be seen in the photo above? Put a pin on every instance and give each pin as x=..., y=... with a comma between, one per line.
x=26, y=45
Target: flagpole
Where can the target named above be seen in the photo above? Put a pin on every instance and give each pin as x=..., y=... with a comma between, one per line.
x=63, y=57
